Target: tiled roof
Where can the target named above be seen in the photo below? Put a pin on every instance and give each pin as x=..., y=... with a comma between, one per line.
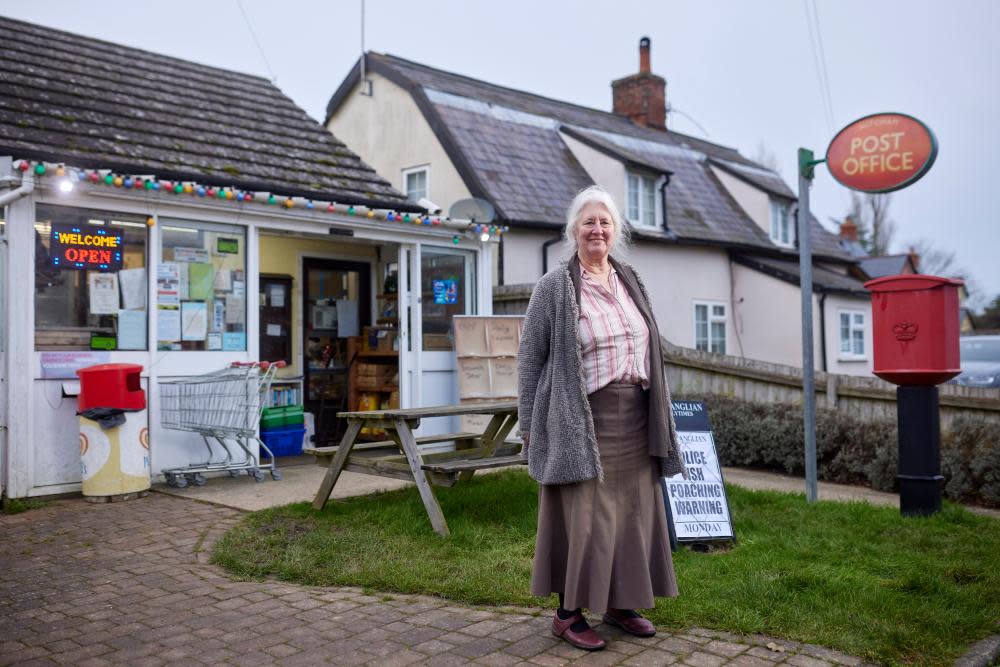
x=824, y=280
x=94, y=104
x=765, y=179
x=885, y=265
x=509, y=147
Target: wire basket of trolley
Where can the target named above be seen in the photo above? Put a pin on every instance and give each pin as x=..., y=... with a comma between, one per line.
x=224, y=408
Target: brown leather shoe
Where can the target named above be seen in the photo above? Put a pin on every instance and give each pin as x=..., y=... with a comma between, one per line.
x=637, y=625
x=588, y=640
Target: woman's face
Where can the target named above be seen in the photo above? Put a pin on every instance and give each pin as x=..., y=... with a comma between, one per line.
x=594, y=231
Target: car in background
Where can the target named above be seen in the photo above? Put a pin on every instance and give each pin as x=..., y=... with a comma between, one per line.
x=980, y=356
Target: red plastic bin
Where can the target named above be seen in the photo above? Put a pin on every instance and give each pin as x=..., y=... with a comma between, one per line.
x=111, y=386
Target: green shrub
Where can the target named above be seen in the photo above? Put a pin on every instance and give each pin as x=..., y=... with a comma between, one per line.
x=850, y=450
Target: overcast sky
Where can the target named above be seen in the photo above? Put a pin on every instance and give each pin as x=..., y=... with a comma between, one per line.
x=745, y=71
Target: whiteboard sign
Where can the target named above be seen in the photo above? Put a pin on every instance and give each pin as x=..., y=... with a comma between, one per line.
x=697, y=506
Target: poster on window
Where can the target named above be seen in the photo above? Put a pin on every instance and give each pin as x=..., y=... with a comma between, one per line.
x=697, y=507
x=103, y=289
x=445, y=291
x=133, y=286
x=194, y=320
x=168, y=285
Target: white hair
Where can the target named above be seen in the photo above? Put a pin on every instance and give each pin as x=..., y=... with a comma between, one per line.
x=595, y=194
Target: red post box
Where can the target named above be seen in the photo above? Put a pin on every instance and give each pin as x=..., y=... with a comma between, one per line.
x=111, y=386
x=915, y=329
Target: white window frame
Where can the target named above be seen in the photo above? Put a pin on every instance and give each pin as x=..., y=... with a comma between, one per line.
x=853, y=326
x=777, y=208
x=426, y=168
x=644, y=214
x=712, y=318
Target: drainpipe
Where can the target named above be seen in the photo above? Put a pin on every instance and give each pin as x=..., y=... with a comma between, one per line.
x=26, y=188
x=663, y=200
x=545, y=252
x=822, y=330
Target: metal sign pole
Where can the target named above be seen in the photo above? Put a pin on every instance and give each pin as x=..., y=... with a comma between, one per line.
x=806, y=164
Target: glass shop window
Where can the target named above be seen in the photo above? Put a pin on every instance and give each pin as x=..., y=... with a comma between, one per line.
x=201, y=287
x=90, y=279
x=447, y=285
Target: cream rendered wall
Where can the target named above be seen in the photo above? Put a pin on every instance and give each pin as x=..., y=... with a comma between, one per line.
x=282, y=254
x=390, y=133
x=676, y=277
x=769, y=318
x=522, y=255
x=606, y=171
x=754, y=202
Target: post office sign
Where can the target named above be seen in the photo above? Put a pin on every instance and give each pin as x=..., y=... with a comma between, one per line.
x=881, y=153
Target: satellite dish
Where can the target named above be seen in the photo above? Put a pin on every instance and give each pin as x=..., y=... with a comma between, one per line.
x=477, y=210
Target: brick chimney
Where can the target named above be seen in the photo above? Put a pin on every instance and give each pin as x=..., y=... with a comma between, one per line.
x=642, y=97
x=848, y=230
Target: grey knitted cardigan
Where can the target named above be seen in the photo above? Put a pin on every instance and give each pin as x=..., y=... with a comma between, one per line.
x=553, y=410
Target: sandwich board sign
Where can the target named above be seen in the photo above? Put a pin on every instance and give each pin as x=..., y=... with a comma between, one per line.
x=697, y=507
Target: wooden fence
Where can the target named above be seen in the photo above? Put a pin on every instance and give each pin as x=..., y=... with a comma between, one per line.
x=691, y=372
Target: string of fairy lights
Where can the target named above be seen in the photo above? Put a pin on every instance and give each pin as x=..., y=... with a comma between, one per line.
x=68, y=178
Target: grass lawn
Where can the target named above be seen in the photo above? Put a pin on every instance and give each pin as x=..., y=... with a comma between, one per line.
x=850, y=576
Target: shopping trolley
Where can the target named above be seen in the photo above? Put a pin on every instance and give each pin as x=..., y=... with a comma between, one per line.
x=223, y=406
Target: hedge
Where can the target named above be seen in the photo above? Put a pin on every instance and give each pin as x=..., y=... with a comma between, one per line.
x=851, y=450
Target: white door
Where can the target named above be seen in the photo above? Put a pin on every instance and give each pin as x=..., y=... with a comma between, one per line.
x=442, y=283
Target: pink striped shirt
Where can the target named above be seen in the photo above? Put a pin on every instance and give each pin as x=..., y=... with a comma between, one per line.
x=614, y=337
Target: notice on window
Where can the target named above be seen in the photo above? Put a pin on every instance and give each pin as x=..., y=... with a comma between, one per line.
x=200, y=281
x=347, y=318
x=131, y=329
x=273, y=330
x=215, y=341
x=697, y=506
x=168, y=285
x=168, y=325
x=234, y=341
x=235, y=309
x=218, y=316
x=239, y=288
x=194, y=320
x=199, y=255
x=133, y=286
x=445, y=291
x=223, y=280
x=103, y=289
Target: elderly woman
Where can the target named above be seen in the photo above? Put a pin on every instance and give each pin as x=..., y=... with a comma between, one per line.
x=594, y=414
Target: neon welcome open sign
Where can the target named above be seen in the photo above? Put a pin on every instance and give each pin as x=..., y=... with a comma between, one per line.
x=80, y=248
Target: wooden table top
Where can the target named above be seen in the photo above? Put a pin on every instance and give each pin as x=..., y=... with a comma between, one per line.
x=491, y=408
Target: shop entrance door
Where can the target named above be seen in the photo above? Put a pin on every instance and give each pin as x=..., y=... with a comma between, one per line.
x=336, y=306
x=447, y=283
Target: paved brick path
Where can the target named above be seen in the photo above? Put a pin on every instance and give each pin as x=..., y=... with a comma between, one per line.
x=130, y=584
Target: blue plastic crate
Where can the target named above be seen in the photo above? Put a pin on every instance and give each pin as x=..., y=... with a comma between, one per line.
x=284, y=441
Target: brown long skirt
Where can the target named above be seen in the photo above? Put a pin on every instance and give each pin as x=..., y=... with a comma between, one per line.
x=605, y=544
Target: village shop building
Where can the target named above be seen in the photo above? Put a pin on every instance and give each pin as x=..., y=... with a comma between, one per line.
x=184, y=217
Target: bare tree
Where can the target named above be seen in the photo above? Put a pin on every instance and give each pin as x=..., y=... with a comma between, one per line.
x=765, y=157
x=936, y=261
x=876, y=230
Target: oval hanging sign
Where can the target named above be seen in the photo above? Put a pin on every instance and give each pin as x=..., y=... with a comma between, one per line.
x=881, y=153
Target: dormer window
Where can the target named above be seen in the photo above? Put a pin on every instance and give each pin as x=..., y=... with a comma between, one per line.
x=641, y=199
x=782, y=225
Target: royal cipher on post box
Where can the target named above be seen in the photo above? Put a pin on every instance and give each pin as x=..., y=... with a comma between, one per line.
x=915, y=328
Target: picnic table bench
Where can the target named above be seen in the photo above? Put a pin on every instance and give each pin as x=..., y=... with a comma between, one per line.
x=473, y=450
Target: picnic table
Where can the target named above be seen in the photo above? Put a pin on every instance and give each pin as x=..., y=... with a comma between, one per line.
x=473, y=450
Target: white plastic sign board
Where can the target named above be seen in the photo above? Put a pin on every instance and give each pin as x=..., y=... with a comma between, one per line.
x=697, y=507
